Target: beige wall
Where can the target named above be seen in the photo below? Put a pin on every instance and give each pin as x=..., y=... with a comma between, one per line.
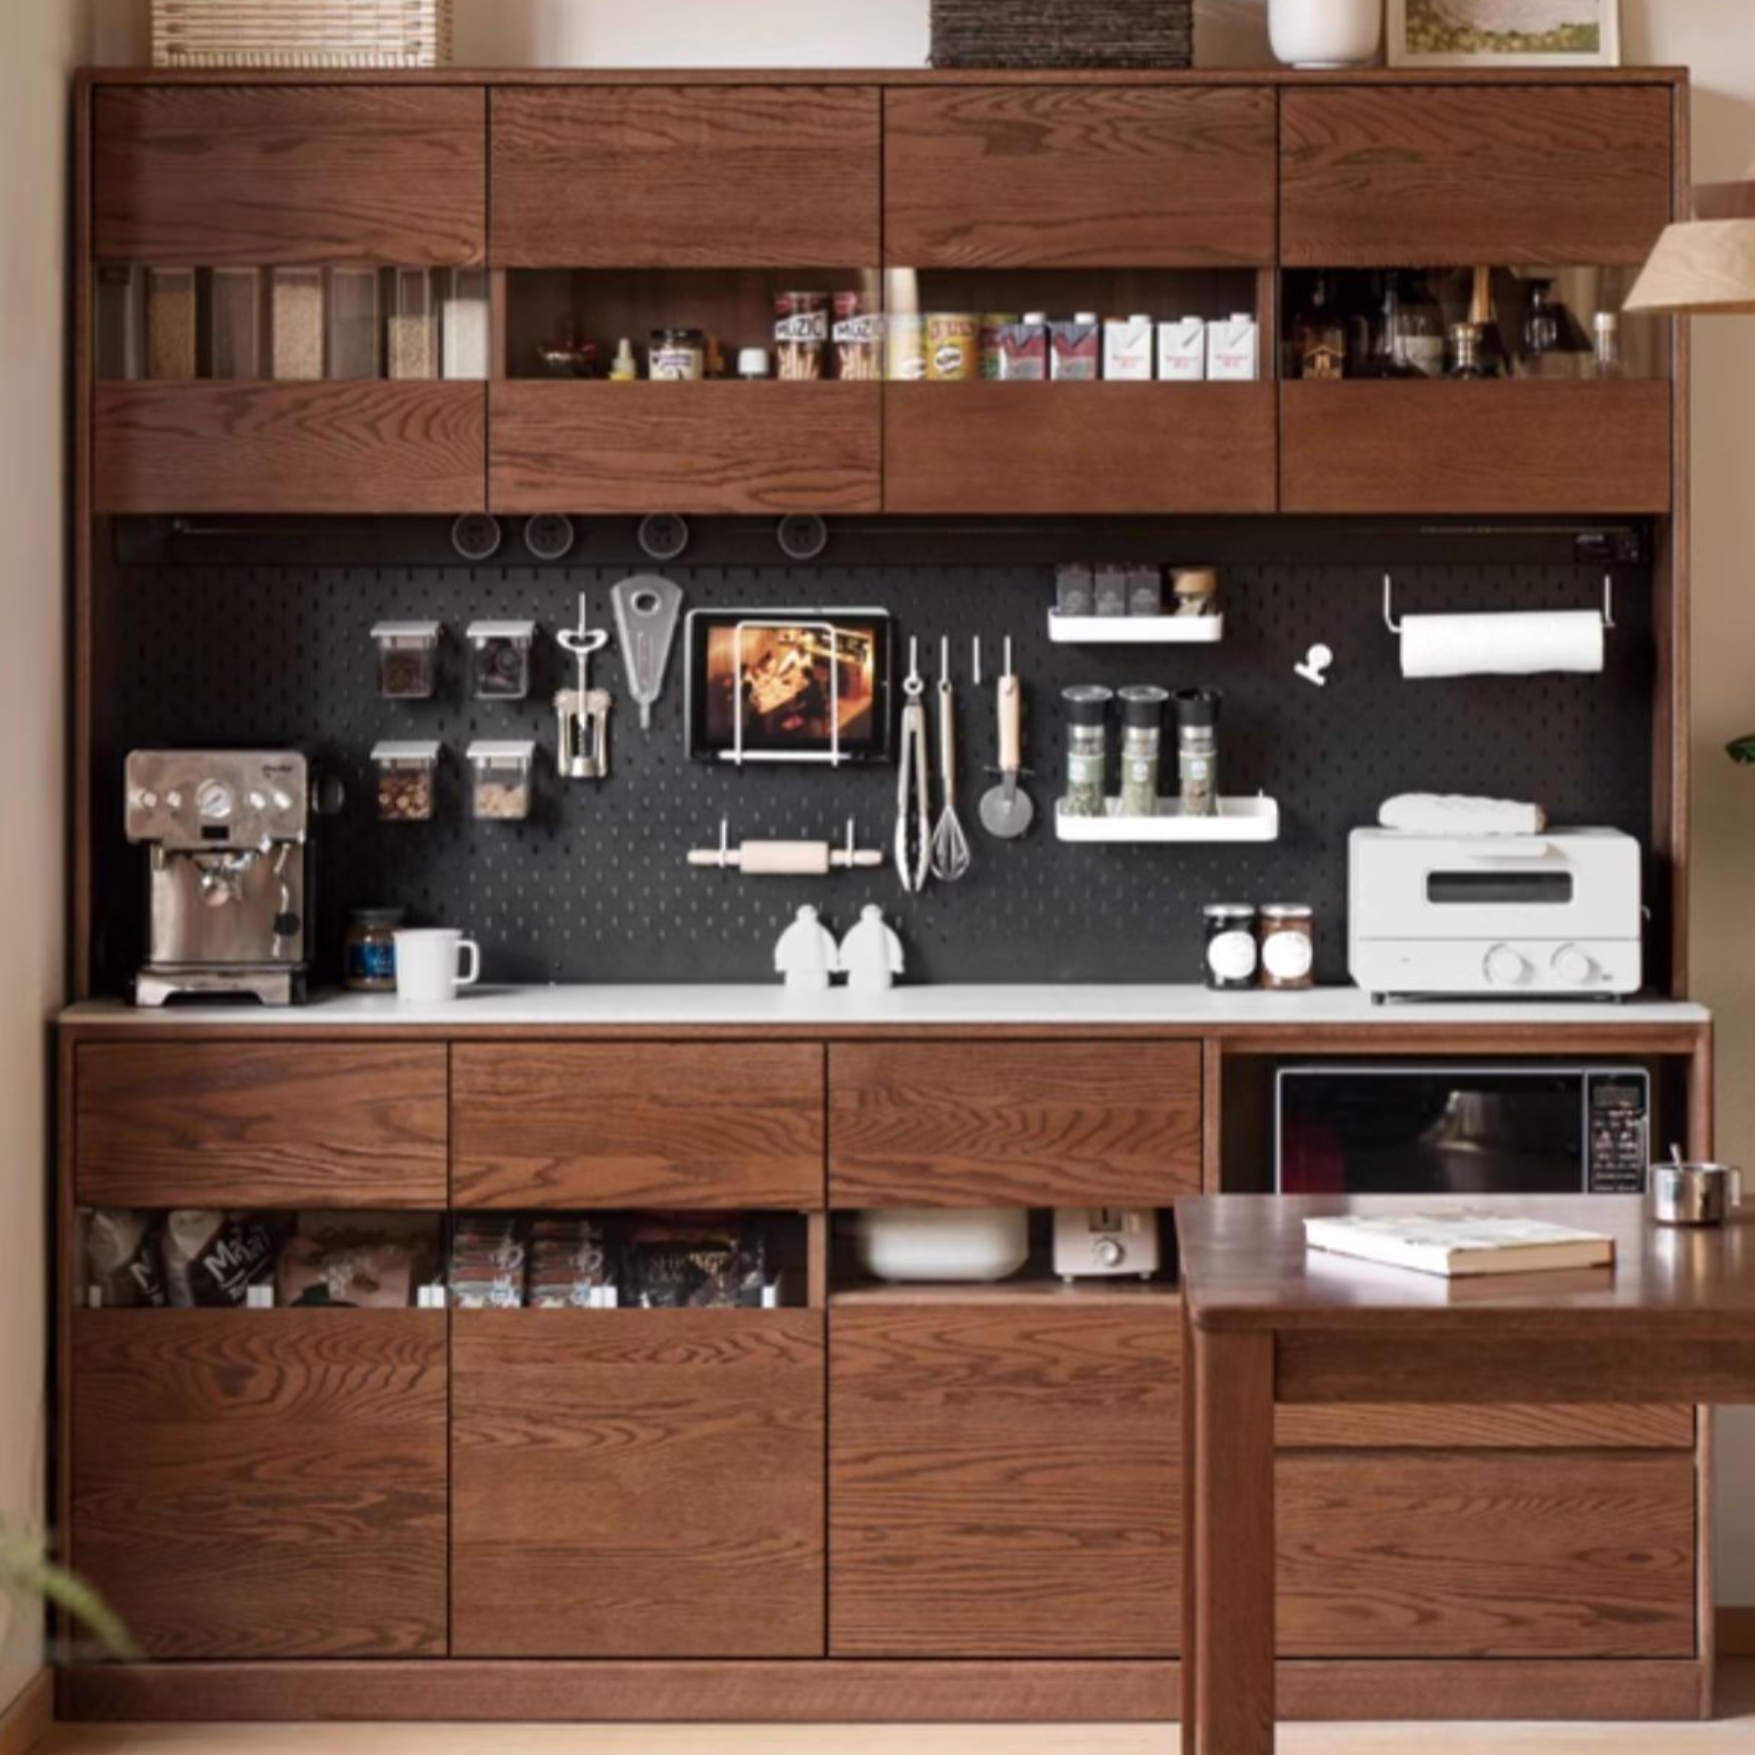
x=1716, y=38
x=44, y=40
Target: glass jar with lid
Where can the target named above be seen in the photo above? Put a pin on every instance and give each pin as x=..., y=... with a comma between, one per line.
x=369, y=952
x=1288, y=946
x=408, y=659
x=677, y=356
x=407, y=779
x=502, y=780
x=1087, y=749
x=499, y=659
x=1230, y=954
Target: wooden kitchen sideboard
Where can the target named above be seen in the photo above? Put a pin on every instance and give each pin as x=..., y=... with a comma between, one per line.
x=879, y=1502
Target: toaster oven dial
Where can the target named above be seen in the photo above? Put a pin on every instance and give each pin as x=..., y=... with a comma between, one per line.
x=214, y=801
x=1575, y=964
x=1506, y=967
x=1107, y=1253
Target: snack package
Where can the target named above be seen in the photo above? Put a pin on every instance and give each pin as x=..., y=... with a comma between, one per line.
x=123, y=1264
x=488, y=1260
x=694, y=1262
x=213, y=1258
x=569, y=1264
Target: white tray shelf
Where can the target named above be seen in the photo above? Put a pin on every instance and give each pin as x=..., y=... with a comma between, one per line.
x=1239, y=819
x=1134, y=630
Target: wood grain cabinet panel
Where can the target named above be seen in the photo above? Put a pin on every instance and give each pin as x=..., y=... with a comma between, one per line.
x=263, y=1484
x=1423, y=176
x=1483, y=1555
x=686, y=176
x=649, y=1125
x=1442, y=1426
x=260, y=1124
x=1079, y=448
x=1004, y=1482
x=1074, y=176
x=215, y=174
x=1469, y=448
x=699, y=447
x=1013, y=1123
x=637, y=1483
x=354, y=446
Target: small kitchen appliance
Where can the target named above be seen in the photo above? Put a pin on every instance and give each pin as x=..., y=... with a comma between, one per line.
x=1554, y=915
x=227, y=834
x=1105, y=1241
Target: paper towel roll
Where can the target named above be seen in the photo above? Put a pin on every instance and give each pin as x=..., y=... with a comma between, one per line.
x=1521, y=644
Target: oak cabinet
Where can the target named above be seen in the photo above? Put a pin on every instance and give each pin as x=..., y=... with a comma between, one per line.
x=637, y=1483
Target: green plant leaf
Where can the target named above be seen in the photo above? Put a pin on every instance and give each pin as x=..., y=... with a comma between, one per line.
x=28, y=1574
x=1742, y=749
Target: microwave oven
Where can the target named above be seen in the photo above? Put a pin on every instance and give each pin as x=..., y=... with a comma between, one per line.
x=1464, y=1128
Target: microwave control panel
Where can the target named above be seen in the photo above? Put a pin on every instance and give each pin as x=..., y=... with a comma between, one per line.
x=1618, y=1124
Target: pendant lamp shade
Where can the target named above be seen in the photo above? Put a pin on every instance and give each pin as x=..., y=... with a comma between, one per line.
x=1705, y=266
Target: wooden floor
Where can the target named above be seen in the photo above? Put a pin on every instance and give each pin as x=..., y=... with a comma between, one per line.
x=1734, y=1731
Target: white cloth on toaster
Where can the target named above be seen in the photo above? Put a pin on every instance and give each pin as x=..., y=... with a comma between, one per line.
x=1431, y=813
x=1521, y=643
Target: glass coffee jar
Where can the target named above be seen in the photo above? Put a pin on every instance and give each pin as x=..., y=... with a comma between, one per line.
x=369, y=951
x=1087, y=749
x=1288, y=946
x=1230, y=954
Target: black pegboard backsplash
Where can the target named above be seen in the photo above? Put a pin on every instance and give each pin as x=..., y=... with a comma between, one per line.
x=596, y=887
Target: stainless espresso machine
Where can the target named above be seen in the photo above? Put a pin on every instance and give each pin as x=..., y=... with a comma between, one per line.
x=228, y=873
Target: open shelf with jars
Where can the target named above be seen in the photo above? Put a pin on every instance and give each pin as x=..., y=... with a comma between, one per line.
x=1473, y=390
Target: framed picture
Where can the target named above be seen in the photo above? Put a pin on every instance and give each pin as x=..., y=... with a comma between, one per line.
x=1505, y=33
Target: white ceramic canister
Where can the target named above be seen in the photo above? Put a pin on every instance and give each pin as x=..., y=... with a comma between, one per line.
x=1325, y=33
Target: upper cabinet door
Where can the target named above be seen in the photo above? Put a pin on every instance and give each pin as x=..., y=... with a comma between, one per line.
x=1375, y=176
x=658, y=176
x=310, y=174
x=1051, y=176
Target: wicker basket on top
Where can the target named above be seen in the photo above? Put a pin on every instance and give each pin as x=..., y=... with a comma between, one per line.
x=1062, y=33
x=301, y=33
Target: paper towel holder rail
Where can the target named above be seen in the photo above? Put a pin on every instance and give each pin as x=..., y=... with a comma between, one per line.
x=1395, y=627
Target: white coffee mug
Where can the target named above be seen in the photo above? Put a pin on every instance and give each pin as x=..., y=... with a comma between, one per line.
x=1325, y=33
x=427, y=965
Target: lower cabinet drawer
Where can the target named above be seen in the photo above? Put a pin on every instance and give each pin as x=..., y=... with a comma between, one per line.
x=263, y=1483
x=1004, y=1481
x=637, y=1483
x=1492, y=1555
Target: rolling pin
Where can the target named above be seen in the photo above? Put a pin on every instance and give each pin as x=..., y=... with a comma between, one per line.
x=785, y=858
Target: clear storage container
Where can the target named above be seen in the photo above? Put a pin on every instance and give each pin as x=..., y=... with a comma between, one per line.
x=408, y=780
x=121, y=323
x=408, y=659
x=499, y=659
x=353, y=323
x=236, y=350
x=170, y=322
x=297, y=322
x=501, y=781
x=463, y=326
x=414, y=326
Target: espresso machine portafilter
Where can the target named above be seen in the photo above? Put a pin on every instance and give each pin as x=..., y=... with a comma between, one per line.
x=228, y=842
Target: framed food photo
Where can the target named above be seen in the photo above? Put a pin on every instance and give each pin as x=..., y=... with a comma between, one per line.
x=1505, y=33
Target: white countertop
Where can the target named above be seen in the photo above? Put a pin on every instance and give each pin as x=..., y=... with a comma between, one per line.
x=645, y=1007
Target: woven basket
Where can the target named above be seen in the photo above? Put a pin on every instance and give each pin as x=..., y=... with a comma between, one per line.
x=1063, y=33
x=301, y=33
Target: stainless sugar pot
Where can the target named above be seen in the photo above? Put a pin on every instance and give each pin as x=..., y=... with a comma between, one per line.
x=1693, y=1194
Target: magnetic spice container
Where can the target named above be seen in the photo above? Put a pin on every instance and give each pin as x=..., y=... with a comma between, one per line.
x=408, y=659
x=1142, y=748
x=1288, y=946
x=1087, y=749
x=499, y=659
x=1231, y=954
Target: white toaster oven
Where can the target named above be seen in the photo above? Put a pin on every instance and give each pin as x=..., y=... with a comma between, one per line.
x=1551, y=915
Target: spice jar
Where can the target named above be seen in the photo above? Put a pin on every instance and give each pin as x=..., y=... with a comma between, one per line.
x=1142, y=748
x=368, y=953
x=408, y=659
x=677, y=356
x=1087, y=749
x=499, y=659
x=1288, y=946
x=1230, y=946
x=1197, y=751
x=407, y=776
x=501, y=788
x=1195, y=591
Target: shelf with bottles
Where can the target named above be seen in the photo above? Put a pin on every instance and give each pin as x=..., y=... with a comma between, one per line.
x=1542, y=325
x=179, y=324
x=136, y=1259
x=936, y=326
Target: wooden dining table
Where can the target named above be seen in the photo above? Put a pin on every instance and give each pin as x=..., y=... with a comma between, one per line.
x=1267, y=1321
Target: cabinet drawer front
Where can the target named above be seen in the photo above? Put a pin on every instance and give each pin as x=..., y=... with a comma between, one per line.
x=342, y=447
x=1078, y=176
x=1437, y=1426
x=1079, y=448
x=1496, y=447
x=1551, y=1554
x=637, y=1484
x=260, y=1124
x=655, y=176
x=1429, y=176
x=263, y=1484
x=214, y=174
x=649, y=1125
x=1013, y=1124
x=1004, y=1482
x=697, y=447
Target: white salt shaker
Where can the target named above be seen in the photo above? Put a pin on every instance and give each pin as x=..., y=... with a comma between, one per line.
x=806, y=954
x=871, y=954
